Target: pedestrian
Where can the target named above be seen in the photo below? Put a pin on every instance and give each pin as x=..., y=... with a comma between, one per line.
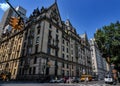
x=70, y=80
x=56, y=78
x=86, y=79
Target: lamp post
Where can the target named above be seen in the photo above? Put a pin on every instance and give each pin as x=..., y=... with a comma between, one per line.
x=43, y=69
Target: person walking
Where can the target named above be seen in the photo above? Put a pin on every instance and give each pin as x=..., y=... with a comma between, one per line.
x=86, y=80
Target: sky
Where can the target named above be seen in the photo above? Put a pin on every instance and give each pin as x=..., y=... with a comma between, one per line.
x=85, y=15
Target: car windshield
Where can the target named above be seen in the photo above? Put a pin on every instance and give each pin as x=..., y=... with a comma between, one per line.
x=108, y=76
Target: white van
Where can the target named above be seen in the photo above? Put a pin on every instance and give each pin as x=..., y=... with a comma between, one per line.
x=108, y=79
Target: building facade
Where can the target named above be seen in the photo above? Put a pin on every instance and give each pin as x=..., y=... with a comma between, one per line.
x=46, y=47
x=99, y=64
x=10, y=42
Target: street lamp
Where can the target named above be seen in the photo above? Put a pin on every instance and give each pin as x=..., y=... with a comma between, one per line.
x=43, y=68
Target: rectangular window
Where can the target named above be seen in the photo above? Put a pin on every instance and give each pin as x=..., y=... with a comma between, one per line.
x=37, y=40
x=25, y=35
x=20, y=71
x=23, y=52
x=67, y=73
x=35, y=60
x=15, y=63
x=49, y=33
x=29, y=50
x=72, y=58
x=49, y=41
x=63, y=73
x=50, y=26
x=14, y=72
x=71, y=45
x=20, y=40
x=63, y=65
x=67, y=57
x=56, y=52
x=63, y=56
x=67, y=43
x=72, y=66
x=67, y=66
x=57, y=30
x=56, y=37
x=48, y=50
x=21, y=62
x=67, y=50
x=71, y=51
x=30, y=70
x=36, y=48
x=34, y=70
x=63, y=48
x=38, y=31
x=72, y=73
x=63, y=41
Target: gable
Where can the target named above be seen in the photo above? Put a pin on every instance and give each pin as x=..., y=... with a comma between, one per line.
x=54, y=14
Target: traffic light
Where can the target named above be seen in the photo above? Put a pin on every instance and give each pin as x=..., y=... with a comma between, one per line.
x=13, y=22
x=20, y=23
x=16, y=23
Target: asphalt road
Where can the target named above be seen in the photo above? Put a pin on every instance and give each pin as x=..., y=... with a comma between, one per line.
x=92, y=83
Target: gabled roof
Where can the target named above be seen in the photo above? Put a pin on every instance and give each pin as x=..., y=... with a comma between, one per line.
x=56, y=7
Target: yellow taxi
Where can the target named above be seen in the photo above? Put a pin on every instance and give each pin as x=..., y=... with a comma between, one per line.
x=85, y=77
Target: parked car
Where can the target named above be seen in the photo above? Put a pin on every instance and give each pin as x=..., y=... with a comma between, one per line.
x=108, y=79
x=95, y=78
x=57, y=80
x=76, y=80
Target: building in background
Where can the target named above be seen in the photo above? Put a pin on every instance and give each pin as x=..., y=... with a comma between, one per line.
x=99, y=64
x=5, y=19
x=10, y=13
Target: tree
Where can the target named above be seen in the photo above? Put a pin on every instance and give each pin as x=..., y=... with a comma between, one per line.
x=108, y=41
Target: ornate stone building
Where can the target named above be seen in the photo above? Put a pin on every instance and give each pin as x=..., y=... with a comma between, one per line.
x=46, y=47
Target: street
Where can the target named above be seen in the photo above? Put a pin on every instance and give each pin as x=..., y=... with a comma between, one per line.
x=92, y=83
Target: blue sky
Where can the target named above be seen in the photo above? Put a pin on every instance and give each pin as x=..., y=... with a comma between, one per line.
x=85, y=15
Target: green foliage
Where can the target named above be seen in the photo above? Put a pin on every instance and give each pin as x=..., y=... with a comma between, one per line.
x=108, y=41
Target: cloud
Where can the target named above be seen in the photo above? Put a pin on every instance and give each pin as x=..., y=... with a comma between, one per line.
x=4, y=6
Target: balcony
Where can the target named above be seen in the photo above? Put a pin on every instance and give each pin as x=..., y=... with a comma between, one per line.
x=53, y=46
